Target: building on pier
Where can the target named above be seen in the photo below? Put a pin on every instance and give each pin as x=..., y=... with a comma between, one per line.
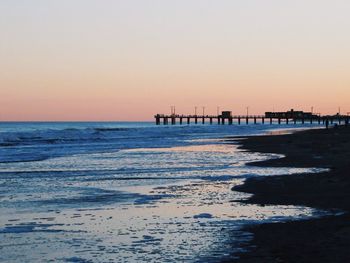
x=292, y=114
x=226, y=114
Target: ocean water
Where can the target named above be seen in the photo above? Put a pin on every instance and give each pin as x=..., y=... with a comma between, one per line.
x=129, y=192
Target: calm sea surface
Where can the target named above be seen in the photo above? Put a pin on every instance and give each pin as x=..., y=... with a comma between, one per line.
x=128, y=192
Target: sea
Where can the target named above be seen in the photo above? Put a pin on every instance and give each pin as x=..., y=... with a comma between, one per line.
x=130, y=191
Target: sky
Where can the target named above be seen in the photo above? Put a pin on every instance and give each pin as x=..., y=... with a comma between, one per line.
x=116, y=60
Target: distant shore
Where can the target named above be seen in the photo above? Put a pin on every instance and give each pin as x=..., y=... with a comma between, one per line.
x=326, y=239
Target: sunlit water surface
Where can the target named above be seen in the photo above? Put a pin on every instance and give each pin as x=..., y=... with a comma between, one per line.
x=128, y=192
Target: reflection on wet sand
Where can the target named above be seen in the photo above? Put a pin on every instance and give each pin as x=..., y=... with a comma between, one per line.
x=176, y=206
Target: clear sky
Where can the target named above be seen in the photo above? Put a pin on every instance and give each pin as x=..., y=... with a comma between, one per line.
x=129, y=59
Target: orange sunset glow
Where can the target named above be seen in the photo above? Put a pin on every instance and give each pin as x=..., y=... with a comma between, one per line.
x=127, y=60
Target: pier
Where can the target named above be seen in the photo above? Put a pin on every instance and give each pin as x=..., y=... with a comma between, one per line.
x=290, y=117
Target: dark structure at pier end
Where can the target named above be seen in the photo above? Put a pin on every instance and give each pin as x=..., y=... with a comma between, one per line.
x=292, y=114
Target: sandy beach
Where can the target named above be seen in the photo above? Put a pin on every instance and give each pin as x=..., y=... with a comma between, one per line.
x=326, y=239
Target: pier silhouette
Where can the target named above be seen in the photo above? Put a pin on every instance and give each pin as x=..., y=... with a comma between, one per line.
x=226, y=117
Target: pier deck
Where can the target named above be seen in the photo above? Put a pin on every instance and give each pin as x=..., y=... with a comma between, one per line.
x=173, y=119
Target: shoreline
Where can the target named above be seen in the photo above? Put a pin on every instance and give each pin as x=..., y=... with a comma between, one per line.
x=325, y=239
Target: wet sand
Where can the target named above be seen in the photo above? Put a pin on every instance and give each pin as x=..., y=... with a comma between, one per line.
x=326, y=239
